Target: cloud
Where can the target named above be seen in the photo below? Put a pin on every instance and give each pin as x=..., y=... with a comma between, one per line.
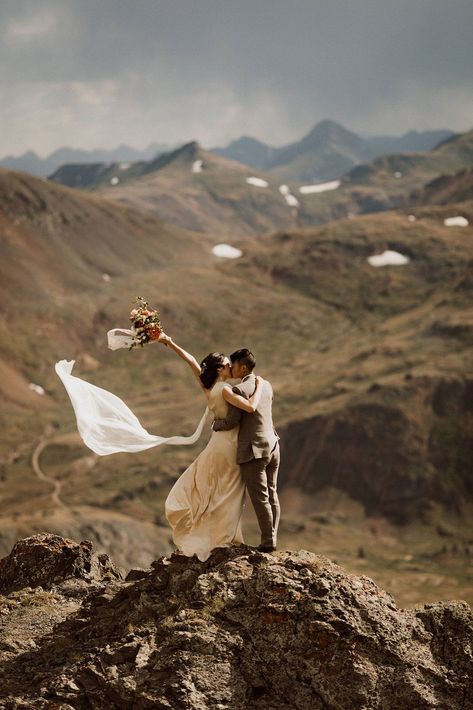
x=31, y=28
x=90, y=73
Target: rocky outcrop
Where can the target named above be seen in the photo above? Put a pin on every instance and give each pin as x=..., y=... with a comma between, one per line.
x=129, y=541
x=47, y=559
x=242, y=630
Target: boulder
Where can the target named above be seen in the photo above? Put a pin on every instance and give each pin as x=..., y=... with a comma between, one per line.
x=46, y=560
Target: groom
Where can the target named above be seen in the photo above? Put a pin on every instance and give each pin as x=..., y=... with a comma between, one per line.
x=258, y=447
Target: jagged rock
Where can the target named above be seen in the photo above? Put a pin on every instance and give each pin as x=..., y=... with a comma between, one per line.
x=246, y=630
x=135, y=574
x=46, y=559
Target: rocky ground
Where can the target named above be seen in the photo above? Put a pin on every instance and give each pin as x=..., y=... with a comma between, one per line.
x=242, y=630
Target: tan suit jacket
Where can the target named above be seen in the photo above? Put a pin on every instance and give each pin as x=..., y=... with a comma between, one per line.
x=257, y=436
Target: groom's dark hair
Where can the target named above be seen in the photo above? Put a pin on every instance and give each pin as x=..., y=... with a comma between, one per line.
x=245, y=357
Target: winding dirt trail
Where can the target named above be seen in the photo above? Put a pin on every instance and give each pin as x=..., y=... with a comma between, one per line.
x=35, y=462
x=80, y=465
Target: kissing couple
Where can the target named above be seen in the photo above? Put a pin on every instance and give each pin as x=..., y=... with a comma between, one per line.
x=204, y=508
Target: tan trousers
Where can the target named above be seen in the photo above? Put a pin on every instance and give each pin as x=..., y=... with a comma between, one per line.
x=261, y=477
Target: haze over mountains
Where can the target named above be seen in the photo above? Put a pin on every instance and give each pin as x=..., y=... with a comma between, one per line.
x=30, y=162
x=198, y=190
x=326, y=152
x=327, y=136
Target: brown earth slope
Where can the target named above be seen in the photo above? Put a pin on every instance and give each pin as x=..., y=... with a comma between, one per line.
x=216, y=198
x=446, y=189
x=371, y=369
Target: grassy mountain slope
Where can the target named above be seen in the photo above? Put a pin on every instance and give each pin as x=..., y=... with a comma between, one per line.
x=446, y=189
x=352, y=351
x=398, y=174
x=415, y=324
x=389, y=181
x=63, y=254
x=217, y=198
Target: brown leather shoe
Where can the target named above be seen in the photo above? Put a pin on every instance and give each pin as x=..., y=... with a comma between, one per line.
x=266, y=548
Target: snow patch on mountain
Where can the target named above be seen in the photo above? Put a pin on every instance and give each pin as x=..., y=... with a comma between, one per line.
x=321, y=187
x=456, y=221
x=226, y=251
x=256, y=182
x=388, y=258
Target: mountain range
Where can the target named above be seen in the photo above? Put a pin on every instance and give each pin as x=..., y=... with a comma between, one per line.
x=325, y=152
x=198, y=190
x=191, y=188
x=30, y=162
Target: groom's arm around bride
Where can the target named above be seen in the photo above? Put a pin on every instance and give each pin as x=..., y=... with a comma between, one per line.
x=233, y=417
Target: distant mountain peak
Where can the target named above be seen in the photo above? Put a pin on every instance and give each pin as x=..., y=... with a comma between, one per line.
x=249, y=151
x=327, y=129
x=247, y=140
x=188, y=152
x=327, y=124
x=326, y=152
x=188, y=148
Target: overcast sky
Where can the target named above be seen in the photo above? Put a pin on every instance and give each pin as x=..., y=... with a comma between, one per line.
x=97, y=73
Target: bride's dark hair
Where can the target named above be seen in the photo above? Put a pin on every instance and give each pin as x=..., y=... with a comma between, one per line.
x=209, y=369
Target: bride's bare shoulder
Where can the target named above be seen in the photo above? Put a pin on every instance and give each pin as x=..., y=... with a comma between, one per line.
x=217, y=388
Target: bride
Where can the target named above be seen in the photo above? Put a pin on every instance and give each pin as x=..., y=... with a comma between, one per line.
x=205, y=505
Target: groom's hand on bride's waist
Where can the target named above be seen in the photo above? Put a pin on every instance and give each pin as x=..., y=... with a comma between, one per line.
x=231, y=420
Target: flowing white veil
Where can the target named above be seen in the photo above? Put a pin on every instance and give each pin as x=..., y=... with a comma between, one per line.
x=122, y=338
x=106, y=424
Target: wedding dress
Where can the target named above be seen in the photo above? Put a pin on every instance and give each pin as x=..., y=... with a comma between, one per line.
x=205, y=505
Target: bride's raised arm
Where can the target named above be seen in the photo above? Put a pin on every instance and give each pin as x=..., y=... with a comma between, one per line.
x=248, y=405
x=183, y=354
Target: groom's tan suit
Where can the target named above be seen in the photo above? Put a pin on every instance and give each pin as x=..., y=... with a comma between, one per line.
x=257, y=454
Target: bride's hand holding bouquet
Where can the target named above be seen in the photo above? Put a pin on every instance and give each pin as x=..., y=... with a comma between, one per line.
x=146, y=327
x=164, y=339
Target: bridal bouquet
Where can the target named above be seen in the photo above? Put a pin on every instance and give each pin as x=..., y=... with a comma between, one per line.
x=145, y=322
x=146, y=326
